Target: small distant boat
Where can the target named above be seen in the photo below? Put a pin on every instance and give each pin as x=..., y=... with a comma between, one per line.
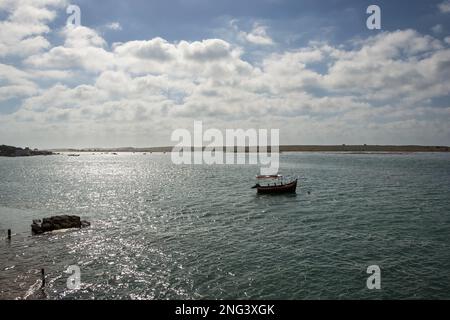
x=276, y=184
x=73, y=155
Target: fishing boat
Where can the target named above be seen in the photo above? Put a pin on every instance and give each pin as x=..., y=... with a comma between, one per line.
x=275, y=184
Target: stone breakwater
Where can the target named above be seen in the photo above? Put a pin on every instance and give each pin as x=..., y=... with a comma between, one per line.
x=57, y=223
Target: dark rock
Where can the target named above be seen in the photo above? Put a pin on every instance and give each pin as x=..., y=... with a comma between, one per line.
x=10, y=151
x=36, y=229
x=85, y=223
x=57, y=223
x=46, y=226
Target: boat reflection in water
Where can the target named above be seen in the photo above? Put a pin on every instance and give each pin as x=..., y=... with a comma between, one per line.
x=275, y=184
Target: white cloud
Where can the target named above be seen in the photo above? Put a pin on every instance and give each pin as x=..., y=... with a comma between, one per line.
x=114, y=26
x=83, y=48
x=372, y=89
x=437, y=29
x=21, y=33
x=399, y=65
x=206, y=50
x=198, y=59
x=444, y=6
x=15, y=83
x=81, y=37
x=258, y=35
x=156, y=49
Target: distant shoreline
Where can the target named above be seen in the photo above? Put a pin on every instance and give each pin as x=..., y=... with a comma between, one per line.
x=8, y=151
x=287, y=148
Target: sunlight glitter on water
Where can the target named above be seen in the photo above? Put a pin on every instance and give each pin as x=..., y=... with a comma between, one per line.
x=161, y=231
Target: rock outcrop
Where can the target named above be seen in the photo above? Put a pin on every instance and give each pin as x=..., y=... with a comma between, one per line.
x=57, y=223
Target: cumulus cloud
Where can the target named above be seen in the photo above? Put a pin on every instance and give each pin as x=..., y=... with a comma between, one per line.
x=369, y=89
x=258, y=35
x=207, y=50
x=155, y=49
x=22, y=32
x=437, y=29
x=15, y=83
x=397, y=65
x=83, y=48
x=444, y=6
x=114, y=26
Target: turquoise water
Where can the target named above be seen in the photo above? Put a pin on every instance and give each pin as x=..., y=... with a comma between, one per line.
x=161, y=231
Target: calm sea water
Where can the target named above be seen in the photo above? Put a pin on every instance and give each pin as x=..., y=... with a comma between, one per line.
x=161, y=231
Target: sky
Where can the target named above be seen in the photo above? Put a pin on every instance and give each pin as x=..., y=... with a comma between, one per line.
x=134, y=71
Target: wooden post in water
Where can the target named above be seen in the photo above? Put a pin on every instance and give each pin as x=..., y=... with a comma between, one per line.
x=43, y=278
x=9, y=234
